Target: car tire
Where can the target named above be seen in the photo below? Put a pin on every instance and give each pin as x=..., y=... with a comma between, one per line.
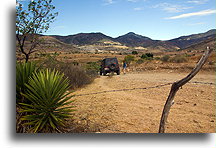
x=118, y=72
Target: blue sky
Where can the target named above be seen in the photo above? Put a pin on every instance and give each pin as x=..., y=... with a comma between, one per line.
x=157, y=19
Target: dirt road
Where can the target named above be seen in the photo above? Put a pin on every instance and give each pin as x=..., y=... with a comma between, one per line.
x=139, y=110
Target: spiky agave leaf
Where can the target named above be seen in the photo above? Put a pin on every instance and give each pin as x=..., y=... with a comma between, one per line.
x=49, y=102
x=23, y=72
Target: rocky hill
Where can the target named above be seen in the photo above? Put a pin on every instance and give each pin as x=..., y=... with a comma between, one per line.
x=134, y=40
x=186, y=41
x=83, y=38
x=202, y=45
x=50, y=43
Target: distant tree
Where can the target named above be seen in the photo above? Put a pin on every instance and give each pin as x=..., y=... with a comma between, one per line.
x=134, y=52
x=32, y=21
x=150, y=55
x=147, y=56
x=144, y=56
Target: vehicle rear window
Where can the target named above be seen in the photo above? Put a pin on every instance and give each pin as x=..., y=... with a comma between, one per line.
x=110, y=61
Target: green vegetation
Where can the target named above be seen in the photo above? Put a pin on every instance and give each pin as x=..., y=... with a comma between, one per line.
x=42, y=101
x=134, y=52
x=47, y=109
x=157, y=58
x=92, y=68
x=23, y=72
x=41, y=98
x=129, y=58
x=147, y=56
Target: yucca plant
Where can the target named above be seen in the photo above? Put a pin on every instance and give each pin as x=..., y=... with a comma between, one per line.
x=50, y=105
x=23, y=72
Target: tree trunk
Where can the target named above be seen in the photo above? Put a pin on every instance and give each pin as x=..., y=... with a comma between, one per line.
x=26, y=57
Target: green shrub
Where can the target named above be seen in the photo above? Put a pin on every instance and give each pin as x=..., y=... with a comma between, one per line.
x=47, y=109
x=49, y=62
x=165, y=58
x=23, y=72
x=134, y=52
x=178, y=59
x=157, y=58
x=128, y=59
x=140, y=61
x=147, y=56
x=92, y=68
x=150, y=55
x=144, y=56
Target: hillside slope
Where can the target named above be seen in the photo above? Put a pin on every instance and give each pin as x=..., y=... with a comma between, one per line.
x=186, y=41
x=83, y=38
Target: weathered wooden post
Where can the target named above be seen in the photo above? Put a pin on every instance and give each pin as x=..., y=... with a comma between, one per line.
x=176, y=85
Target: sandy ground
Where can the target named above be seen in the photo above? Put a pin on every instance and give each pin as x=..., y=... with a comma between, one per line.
x=139, y=110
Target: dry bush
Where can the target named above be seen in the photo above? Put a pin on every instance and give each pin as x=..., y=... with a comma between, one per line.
x=140, y=61
x=178, y=59
x=77, y=75
x=165, y=58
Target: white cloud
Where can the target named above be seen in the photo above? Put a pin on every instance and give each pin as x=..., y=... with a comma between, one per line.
x=200, y=13
x=171, y=8
x=195, y=24
x=199, y=2
x=133, y=1
x=138, y=9
x=108, y=2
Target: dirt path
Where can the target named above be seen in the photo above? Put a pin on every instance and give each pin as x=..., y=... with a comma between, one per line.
x=139, y=110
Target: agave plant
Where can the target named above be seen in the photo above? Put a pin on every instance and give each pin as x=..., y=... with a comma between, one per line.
x=50, y=105
x=23, y=72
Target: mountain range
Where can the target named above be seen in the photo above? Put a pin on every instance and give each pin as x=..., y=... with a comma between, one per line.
x=130, y=40
x=135, y=40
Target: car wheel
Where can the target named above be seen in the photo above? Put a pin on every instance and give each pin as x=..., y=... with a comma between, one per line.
x=118, y=72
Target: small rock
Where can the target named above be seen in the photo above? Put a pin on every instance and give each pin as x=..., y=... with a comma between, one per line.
x=195, y=121
x=195, y=104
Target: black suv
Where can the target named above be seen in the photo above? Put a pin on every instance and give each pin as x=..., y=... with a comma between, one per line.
x=109, y=65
